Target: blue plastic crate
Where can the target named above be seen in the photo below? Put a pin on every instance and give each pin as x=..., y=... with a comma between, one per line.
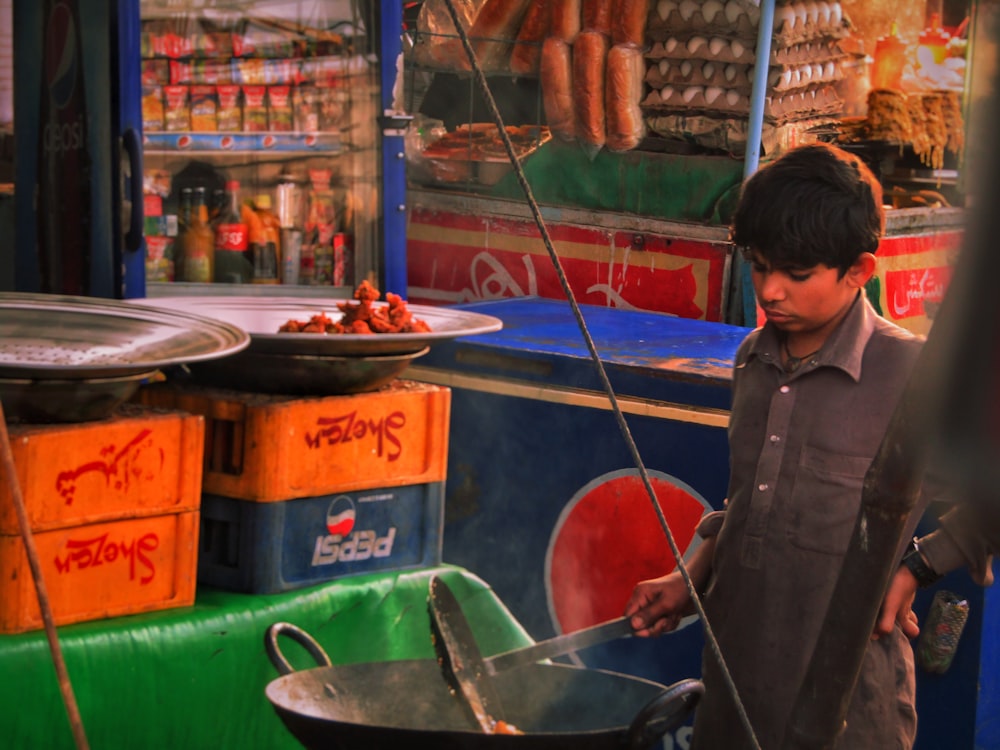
x=265, y=548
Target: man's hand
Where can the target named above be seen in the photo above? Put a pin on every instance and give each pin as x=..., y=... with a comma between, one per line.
x=897, y=606
x=657, y=605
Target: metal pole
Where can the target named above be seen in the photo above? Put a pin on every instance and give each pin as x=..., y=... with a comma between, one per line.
x=755, y=129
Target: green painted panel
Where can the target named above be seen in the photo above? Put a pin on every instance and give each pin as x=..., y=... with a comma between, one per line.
x=194, y=678
x=676, y=187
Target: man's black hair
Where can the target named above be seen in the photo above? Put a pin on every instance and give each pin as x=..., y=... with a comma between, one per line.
x=815, y=204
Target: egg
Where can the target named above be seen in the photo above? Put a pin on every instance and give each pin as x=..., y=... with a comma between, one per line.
x=695, y=44
x=817, y=70
x=773, y=78
x=737, y=48
x=687, y=8
x=786, y=78
x=730, y=72
x=800, y=15
x=812, y=12
x=716, y=45
x=804, y=73
x=829, y=71
x=664, y=8
x=691, y=92
x=732, y=98
x=711, y=9
x=784, y=19
x=712, y=94
x=670, y=45
x=823, y=8
x=836, y=14
x=666, y=93
x=686, y=68
x=708, y=70
x=733, y=12
x=664, y=66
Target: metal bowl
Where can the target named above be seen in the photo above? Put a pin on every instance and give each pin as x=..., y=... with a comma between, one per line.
x=262, y=316
x=44, y=336
x=76, y=400
x=303, y=375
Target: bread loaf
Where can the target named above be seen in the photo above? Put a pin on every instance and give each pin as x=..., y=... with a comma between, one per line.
x=556, y=72
x=528, y=47
x=597, y=15
x=494, y=31
x=590, y=53
x=566, y=19
x=623, y=91
x=628, y=24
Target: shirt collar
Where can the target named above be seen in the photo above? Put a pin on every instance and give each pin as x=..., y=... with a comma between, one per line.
x=844, y=348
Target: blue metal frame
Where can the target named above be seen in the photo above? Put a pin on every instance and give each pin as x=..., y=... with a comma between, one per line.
x=125, y=34
x=393, y=154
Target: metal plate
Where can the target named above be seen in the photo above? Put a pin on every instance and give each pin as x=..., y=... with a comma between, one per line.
x=77, y=400
x=262, y=316
x=302, y=375
x=45, y=336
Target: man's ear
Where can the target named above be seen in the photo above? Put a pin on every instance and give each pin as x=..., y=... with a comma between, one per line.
x=861, y=270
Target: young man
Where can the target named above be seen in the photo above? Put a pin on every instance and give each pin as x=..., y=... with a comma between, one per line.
x=813, y=392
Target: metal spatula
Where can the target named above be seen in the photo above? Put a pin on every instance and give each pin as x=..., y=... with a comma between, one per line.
x=461, y=661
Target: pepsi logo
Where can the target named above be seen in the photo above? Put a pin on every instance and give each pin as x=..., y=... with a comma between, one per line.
x=184, y=141
x=226, y=142
x=608, y=538
x=311, y=140
x=341, y=516
x=61, y=55
x=269, y=141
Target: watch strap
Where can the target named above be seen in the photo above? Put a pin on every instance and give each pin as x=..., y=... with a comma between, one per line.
x=914, y=561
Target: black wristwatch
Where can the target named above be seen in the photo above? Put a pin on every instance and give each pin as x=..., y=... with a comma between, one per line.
x=923, y=572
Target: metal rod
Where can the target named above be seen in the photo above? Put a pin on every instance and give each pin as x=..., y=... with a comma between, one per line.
x=758, y=96
x=65, y=686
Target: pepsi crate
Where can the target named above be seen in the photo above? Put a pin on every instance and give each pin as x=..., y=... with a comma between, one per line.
x=264, y=548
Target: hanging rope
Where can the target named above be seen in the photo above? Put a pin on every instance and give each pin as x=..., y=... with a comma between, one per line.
x=602, y=374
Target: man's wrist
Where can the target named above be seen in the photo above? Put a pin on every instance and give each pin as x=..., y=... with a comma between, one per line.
x=918, y=566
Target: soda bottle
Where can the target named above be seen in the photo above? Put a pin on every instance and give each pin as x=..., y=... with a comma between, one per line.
x=890, y=59
x=198, y=243
x=232, y=261
x=64, y=165
x=267, y=248
x=184, y=214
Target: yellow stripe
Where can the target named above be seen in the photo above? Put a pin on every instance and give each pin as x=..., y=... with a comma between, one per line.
x=571, y=397
x=909, y=262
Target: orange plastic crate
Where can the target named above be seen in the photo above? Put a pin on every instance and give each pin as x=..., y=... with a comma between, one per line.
x=139, y=462
x=268, y=448
x=101, y=570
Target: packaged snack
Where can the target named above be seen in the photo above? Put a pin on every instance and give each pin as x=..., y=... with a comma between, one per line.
x=152, y=109
x=155, y=73
x=178, y=104
x=305, y=104
x=255, y=109
x=279, y=111
x=229, y=114
x=204, y=106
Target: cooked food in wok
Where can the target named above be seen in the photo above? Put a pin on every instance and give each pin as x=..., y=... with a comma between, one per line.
x=361, y=317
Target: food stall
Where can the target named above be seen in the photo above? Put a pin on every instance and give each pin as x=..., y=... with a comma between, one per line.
x=637, y=214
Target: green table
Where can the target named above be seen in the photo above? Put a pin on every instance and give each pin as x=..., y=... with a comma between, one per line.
x=194, y=678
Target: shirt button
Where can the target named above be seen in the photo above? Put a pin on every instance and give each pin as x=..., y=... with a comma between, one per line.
x=762, y=487
x=784, y=389
x=775, y=439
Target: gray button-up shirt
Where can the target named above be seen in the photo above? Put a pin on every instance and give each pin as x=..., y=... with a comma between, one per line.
x=800, y=445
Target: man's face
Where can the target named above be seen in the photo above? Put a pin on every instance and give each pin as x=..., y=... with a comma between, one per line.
x=802, y=300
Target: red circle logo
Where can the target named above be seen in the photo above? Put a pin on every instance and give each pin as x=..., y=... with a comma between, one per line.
x=608, y=538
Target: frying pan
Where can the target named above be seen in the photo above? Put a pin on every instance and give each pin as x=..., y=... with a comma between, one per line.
x=408, y=704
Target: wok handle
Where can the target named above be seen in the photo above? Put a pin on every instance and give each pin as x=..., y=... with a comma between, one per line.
x=664, y=713
x=298, y=635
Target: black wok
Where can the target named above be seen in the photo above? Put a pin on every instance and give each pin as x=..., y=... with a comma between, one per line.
x=407, y=705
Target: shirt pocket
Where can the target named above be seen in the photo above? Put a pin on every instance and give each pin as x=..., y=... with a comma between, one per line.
x=826, y=500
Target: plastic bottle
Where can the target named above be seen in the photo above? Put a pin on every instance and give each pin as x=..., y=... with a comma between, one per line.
x=266, y=246
x=889, y=60
x=232, y=260
x=935, y=38
x=198, y=243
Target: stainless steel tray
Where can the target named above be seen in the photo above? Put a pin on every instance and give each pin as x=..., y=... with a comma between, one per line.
x=262, y=316
x=76, y=400
x=44, y=336
x=303, y=375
